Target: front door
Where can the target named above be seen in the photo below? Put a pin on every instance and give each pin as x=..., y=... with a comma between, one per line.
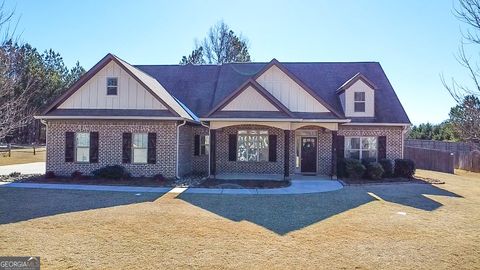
x=309, y=155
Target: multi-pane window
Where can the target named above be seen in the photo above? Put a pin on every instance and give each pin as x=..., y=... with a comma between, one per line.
x=204, y=144
x=359, y=102
x=112, y=86
x=140, y=147
x=82, y=147
x=252, y=145
x=361, y=147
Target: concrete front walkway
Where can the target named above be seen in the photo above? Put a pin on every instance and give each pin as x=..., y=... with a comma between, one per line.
x=297, y=187
x=27, y=168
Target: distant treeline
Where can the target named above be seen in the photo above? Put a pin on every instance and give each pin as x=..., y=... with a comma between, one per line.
x=44, y=74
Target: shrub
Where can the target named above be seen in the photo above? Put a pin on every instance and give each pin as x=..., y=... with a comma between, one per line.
x=50, y=175
x=341, y=170
x=159, y=177
x=365, y=162
x=387, y=166
x=375, y=171
x=112, y=172
x=76, y=174
x=15, y=174
x=404, y=168
x=354, y=168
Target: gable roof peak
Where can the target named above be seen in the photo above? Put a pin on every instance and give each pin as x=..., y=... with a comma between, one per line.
x=287, y=72
x=262, y=91
x=355, y=78
x=146, y=80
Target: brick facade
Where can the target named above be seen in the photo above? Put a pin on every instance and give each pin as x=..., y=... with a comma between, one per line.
x=110, y=145
x=226, y=166
x=393, y=134
x=185, y=150
x=200, y=162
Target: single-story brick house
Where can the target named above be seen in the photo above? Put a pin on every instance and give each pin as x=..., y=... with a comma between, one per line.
x=263, y=118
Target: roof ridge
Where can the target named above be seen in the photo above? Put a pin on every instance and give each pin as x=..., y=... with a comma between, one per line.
x=247, y=63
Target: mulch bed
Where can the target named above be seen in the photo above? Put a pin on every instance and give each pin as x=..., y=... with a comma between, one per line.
x=86, y=180
x=415, y=180
x=214, y=183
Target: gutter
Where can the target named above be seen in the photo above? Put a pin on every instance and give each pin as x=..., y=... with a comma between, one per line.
x=112, y=118
x=275, y=120
x=378, y=124
x=178, y=147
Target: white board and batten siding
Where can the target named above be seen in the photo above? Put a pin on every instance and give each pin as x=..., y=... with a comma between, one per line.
x=250, y=100
x=288, y=92
x=130, y=93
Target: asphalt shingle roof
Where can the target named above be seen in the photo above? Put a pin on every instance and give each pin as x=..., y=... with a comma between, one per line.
x=202, y=87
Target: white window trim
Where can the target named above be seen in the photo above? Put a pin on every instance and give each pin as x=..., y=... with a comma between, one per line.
x=258, y=149
x=107, y=86
x=205, y=145
x=364, y=101
x=361, y=146
x=82, y=147
x=145, y=148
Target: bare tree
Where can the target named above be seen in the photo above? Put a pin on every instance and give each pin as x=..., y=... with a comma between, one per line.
x=15, y=108
x=220, y=46
x=15, y=87
x=467, y=11
x=465, y=117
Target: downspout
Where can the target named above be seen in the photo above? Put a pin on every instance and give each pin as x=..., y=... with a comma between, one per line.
x=404, y=131
x=201, y=123
x=46, y=142
x=178, y=147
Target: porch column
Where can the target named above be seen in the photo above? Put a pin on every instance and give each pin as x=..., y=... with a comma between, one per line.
x=334, y=154
x=286, y=162
x=213, y=151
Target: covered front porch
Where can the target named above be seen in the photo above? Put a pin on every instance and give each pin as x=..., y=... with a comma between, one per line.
x=275, y=150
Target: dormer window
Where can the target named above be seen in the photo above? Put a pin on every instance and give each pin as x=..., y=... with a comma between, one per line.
x=359, y=102
x=112, y=86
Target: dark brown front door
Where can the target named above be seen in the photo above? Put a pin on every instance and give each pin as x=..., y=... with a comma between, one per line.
x=309, y=155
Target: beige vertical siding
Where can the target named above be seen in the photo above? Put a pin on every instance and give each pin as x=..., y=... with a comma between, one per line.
x=287, y=91
x=131, y=94
x=250, y=100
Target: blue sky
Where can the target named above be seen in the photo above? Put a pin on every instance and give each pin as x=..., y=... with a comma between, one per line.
x=415, y=41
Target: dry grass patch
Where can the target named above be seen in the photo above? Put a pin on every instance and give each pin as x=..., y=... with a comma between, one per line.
x=22, y=156
x=413, y=226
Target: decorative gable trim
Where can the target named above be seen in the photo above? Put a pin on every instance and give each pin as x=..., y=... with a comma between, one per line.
x=255, y=85
x=353, y=80
x=275, y=62
x=133, y=72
